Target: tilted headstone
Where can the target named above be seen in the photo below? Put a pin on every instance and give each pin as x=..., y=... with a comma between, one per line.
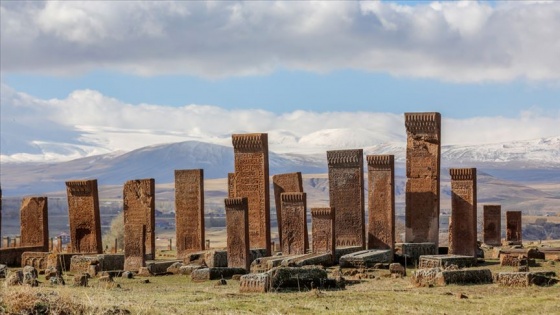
x=34, y=222
x=294, y=215
x=423, y=151
x=462, y=223
x=237, y=222
x=346, y=193
x=189, y=211
x=83, y=216
x=139, y=209
x=252, y=181
x=381, y=201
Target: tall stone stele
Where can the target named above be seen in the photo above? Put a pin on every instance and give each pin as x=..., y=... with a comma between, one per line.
x=322, y=230
x=285, y=183
x=381, y=201
x=237, y=226
x=251, y=180
x=294, y=223
x=462, y=224
x=189, y=211
x=492, y=233
x=83, y=215
x=34, y=222
x=423, y=151
x=346, y=194
x=139, y=205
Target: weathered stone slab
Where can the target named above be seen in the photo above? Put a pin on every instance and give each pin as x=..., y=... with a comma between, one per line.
x=462, y=223
x=284, y=183
x=254, y=283
x=413, y=251
x=38, y=260
x=34, y=220
x=525, y=279
x=346, y=195
x=322, y=220
x=381, y=202
x=212, y=258
x=513, y=226
x=423, y=151
x=468, y=276
x=444, y=261
x=264, y=264
x=134, y=247
x=206, y=274
x=492, y=233
x=252, y=181
x=297, y=277
x=12, y=256
x=83, y=214
x=189, y=211
x=366, y=258
x=294, y=226
x=139, y=209
x=339, y=252
x=237, y=221
x=308, y=259
x=159, y=267
x=103, y=262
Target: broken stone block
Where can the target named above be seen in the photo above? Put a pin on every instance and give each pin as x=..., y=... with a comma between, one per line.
x=366, y=258
x=398, y=269
x=307, y=277
x=104, y=262
x=307, y=260
x=339, y=252
x=174, y=268
x=157, y=268
x=206, y=274
x=212, y=258
x=471, y=276
x=443, y=261
x=81, y=280
x=525, y=279
x=188, y=269
x=413, y=251
x=425, y=277
x=14, y=278
x=255, y=283
x=3, y=271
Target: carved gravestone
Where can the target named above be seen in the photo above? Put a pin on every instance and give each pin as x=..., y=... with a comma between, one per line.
x=135, y=250
x=35, y=222
x=513, y=226
x=252, y=181
x=283, y=183
x=189, y=211
x=139, y=209
x=493, y=225
x=237, y=222
x=423, y=151
x=294, y=225
x=322, y=223
x=346, y=193
x=83, y=214
x=231, y=185
x=381, y=201
x=462, y=223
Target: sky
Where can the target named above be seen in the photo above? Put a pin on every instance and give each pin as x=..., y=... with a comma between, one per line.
x=84, y=78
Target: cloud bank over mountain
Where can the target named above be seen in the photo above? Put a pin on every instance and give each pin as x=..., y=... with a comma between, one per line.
x=460, y=41
x=87, y=123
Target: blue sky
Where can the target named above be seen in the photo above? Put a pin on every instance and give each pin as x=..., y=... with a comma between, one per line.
x=92, y=68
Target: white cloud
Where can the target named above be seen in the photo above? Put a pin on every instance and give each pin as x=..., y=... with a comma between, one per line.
x=87, y=123
x=461, y=41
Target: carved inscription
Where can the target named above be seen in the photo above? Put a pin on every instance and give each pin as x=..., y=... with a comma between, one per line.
x=83, y=216
x=423, y=152
x=139, y=209
x=231, y=185
x=462, y=223
x=493, y=225
x=322, y=222
x=346, y=193
x=513, y=226
x=294, y=215
x=237, y=221
x=134, y=250
x=381, y=201
x=189, y=211
x=252, y=181
x=34, y=222
x=283, y=183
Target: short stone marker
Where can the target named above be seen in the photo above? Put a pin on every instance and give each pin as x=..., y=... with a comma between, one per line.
x=83, y=214
x=492, y=233
x=34, y=220
x=237, y=222
x=284, y=183
x=294, y=226
x=322, y=220
x=513, y=227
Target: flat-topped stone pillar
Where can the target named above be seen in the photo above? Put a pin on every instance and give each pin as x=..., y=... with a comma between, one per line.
x=381, y=201
x=322, y=223
x=462, y=224
x=513, y=227
x=237, y=222
x=34, y=222
x=251, y=180
x=492, y=233
x=294, y=226
x=346, y=194
x=423, y=151
x=189, y=211
x=83, y=215
x=139, y=209
x=285, y=183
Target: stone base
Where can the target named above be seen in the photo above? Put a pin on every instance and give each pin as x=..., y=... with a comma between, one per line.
x=255, y=283
x=341, y=251
x=366, y=258
x=443, y=261
x=158, y=268
x=39, y=260
x=104, y=262
x=309, y=259
x=212, y=258
x=206, y=274
x=480, y=276
x=411, y=252
x=525, y=279
x=297, y=277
